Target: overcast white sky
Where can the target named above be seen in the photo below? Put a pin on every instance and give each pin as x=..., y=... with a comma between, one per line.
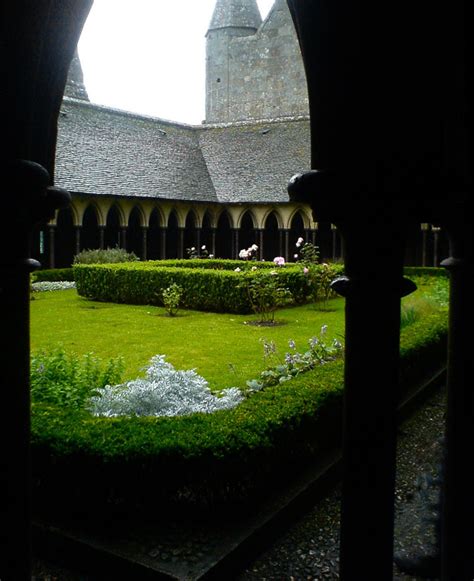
x=148, y=56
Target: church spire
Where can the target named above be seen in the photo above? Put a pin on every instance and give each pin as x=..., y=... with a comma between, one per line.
x=237, y=14
x=75, y=80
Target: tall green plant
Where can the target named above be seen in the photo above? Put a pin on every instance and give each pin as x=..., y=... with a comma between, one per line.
x=266, y=293
x=66, y=379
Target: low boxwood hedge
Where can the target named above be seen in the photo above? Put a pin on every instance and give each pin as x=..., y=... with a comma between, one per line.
x=205, y=289
x=53, y=275
x=152, y=465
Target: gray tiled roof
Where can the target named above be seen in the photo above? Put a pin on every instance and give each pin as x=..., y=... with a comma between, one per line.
x=253, y=162
x=104, y=151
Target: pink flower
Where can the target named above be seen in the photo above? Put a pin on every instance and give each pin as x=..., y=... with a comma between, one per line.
x=305, y=270
x=279, y=260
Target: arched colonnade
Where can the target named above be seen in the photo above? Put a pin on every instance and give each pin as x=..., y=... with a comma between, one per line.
x=166, y=229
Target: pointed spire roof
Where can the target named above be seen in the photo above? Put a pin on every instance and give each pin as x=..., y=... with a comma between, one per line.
x=75, y=80
x=236, y=14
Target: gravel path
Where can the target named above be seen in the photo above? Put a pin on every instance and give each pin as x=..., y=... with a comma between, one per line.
x=309, y=550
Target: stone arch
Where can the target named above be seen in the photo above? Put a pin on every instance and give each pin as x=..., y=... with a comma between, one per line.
x=296, y=230
x=90, y=230
x=224, y=246
x=135, y=232
x=247, y=233
x=113, y=227
x=191, y=237
x=208, y=232
x=272, y=243
x=64, y=238
x=154, y=237
x=173, y=246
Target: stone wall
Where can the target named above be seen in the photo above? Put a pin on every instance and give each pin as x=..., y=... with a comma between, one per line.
x=256, y=76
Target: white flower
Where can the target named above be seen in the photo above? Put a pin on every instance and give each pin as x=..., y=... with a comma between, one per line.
x=254, y=268
x=295, y=256
x=300, y=241
x=244, y=253
x=203, y=247
x=237, y=269
x=193, y=248
x=279, y=260
x=324, y=329
x=254, y=247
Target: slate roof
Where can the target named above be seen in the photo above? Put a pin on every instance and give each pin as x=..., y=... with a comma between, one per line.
x=253, y=162
x=105, y=151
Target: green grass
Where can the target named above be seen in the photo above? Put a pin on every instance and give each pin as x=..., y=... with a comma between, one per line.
x=221, y=347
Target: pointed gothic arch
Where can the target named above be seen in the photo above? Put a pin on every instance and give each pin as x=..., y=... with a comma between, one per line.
x=113, y=228
x=173, y=243
x=272, y=242
x=90, y=232
x=136, y=233
x=224, y=246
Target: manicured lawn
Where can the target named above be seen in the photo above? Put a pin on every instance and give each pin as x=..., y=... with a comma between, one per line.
x=221, y=347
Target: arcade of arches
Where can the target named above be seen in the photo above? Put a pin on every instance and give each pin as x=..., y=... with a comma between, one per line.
x=158, y=229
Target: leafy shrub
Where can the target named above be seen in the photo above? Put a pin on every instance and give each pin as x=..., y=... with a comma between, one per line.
x=66, y=379
x=171, y=298
x=164, y=391
x=266, y=293
x=105, y=256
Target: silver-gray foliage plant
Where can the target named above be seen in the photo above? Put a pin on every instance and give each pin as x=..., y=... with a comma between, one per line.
x=165, y=391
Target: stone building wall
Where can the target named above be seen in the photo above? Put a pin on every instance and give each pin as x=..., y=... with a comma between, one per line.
x=255, y=74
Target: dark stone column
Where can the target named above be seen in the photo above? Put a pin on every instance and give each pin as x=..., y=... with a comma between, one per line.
x=235, y=243
x=369, y=422
x=101, y=237
x=213, y=241
x=260, y=235
x=144, y=242
x=457, y=531
x=123, y=237
x=334, y=241
x=27, y=201
x=163, y=242
x=286, y=245
x=424, y=242
x=435, y=230
x=181, y=242
x=198, y=240
x=52, y=251
x=78, y=239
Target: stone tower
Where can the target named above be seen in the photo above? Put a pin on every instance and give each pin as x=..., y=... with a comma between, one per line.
x=254, y=69
x=75, y=80
x=231, y=19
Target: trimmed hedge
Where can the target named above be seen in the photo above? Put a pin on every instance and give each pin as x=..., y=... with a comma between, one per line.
x=425, y=271
x=53, y=275
x=204, y=289
x=151, y=465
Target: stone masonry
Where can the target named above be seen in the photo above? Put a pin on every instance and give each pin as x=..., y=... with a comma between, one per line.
x=254, y=68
